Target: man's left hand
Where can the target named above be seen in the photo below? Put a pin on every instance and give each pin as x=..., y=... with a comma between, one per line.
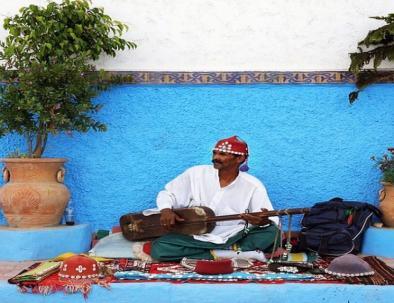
x=256, y=220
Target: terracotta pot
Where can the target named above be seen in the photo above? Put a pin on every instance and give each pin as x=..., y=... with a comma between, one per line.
x=34, y=194
x=386, y=197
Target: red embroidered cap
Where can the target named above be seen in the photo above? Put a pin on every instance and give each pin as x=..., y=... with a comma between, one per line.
x=214, y=267
x=233, y=145
x=79, y=267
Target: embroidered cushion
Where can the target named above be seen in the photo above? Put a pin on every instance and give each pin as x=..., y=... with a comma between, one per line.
x=113, y=246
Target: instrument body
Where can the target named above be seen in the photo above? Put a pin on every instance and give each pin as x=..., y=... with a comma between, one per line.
x=137, y=226
x=197, y=220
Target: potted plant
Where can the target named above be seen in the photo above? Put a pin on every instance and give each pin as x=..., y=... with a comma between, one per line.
x=376, y=47
x=386, y=194
x=49, y=84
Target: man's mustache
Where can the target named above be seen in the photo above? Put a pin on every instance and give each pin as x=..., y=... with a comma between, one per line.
x=216, y=162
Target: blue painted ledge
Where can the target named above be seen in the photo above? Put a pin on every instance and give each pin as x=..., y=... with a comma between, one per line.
x=20, y=244
x=379, y=242
x=212, y=293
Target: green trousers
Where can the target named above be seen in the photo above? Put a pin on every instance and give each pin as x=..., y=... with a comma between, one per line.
x=173, y=247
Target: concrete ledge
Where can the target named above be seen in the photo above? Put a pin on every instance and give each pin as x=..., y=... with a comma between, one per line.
x=379, y=242
x=20, y=244
x=211, y=293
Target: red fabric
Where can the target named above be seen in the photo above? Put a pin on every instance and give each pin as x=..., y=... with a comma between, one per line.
x=116, y=229
x=214, y=267
x=54, y=283
x=147, y=247
x=232, y=145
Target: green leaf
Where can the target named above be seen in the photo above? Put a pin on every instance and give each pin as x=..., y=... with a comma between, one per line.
x=47, y=66
x=353, y=96
x=379, y=45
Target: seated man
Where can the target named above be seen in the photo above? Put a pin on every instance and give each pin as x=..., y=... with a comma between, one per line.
x=226, y=190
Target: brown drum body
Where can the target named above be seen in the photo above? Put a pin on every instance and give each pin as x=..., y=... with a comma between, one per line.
x=137, y=226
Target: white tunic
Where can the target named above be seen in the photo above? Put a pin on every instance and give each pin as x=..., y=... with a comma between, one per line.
x=199, y=186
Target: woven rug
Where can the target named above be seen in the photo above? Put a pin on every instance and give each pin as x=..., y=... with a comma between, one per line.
x=133, y=271
x=136, y=271
x=384, y=275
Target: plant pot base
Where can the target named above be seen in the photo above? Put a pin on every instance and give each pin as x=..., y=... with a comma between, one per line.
x=33, y=221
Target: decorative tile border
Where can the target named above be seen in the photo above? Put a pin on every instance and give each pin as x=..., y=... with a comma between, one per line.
x=269, y=77
x=274, y=77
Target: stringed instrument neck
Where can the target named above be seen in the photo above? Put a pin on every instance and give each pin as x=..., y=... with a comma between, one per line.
x=268, y=213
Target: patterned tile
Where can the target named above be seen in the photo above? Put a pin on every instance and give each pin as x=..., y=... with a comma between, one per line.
x=246, y=77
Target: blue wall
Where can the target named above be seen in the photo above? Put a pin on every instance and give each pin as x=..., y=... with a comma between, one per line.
x=307, y=144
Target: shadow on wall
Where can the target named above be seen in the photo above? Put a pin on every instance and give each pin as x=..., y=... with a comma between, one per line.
x=307, y=144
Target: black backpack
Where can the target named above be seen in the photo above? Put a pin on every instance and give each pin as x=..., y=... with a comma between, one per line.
x=336, y=227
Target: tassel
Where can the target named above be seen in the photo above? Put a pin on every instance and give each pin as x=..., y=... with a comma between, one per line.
x=244, y=166
x=44, y=290
x=85, y=289
x=103, y=283
x=23, y=289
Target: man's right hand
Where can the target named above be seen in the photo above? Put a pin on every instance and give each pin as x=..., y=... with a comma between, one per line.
x=168, y=218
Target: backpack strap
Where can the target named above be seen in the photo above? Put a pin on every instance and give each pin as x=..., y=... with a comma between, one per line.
x=375, y=210
x=364, y=226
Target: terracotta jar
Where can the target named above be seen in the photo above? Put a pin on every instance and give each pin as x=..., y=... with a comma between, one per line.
x=386, y=197
x=34, y=194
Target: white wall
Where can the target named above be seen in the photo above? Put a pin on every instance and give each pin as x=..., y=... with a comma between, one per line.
x=236, y=35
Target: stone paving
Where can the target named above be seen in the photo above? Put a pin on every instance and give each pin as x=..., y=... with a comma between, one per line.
x=10, y=269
